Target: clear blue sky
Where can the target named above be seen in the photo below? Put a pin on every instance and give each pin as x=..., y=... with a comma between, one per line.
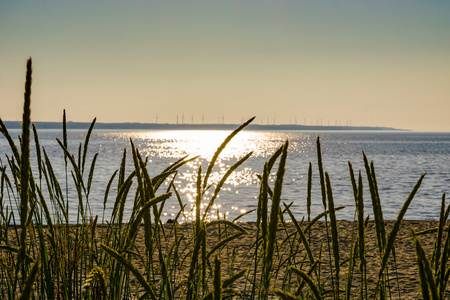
x=380, y=63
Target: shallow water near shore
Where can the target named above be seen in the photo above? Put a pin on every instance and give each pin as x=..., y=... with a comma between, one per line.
x=399, y=157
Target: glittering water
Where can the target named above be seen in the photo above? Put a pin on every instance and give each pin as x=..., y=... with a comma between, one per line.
x=400, y=158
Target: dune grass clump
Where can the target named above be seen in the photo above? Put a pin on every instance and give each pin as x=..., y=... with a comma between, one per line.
x=47, y=256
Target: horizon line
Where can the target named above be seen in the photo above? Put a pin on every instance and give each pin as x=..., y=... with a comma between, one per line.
x=207, y=126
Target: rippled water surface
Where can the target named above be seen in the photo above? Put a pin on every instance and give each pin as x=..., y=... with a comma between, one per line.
x=399, y=157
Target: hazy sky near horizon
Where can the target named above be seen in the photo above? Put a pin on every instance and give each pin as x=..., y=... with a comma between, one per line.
x=376, y=63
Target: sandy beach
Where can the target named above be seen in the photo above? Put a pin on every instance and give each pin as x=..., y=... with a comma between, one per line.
x=237, y=255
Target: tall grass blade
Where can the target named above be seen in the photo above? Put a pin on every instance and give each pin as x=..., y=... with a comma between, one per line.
x=303, y=283
x=137, y=221
x=86, y=143
x=321, y=175
x=334, y=235
x=11, y=143
x=220, y=149
x=393, y=234
x=273, y=226
x=108, y=188
x=38, y=152
x=324, y=202
x=217, y=279
x=223, y=242
x=28, y=287
x=97, y=273
x=226, y=283
x=308, y=195
x=222, y=182
x=438, y=241
x=114, y=254
x=428, y=284
x=361, y=236
x=376, y=205
x=228, y=223
x=77, y=171
x=312, y=285
x=24, y=171
x=320, y=216
x=284, y=295
x=302, y=235
x=91, y=174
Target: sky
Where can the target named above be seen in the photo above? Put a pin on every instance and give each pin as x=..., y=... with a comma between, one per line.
x=369, y=63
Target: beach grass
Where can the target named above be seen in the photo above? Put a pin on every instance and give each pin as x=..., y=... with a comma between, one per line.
x=43, y=255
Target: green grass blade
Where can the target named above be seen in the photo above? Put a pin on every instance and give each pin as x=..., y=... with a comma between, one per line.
x=301, y=234
x=352, y=179
x=232, y=279
x=99, y=274
x=38, y=152
x=321, y=175
x=122, y=168
x=220, y=149
x=303, y=283
x=393, y=234
x=11, y=143
x=376, y=206
x=274, y=158
x=320, y=216
x=28, y=287
x=273, y=226
x=223, y=242
x=222, y=182
x=25, y=166
x=312, y=285
x=227, y=223
x=217, y=279
x=78, y=174
x=284, y=295
x=108, y=187
x=86, y=143
x=129, y=266
x=65, y=129
x=361, y=235
x=438, y=241
x=226, y=283
x=334, y=234
x=263, y=199
x=91, y=174
x=426, y=274
x=308, y=195
x=137, y=221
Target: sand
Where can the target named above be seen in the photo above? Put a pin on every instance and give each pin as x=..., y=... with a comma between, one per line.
x=238, y=254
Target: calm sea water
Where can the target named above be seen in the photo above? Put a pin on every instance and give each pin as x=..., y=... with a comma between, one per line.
x=399, y=157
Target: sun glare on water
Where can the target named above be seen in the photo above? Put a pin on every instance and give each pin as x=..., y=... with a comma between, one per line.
x=195, y=143
x=203, y=144
x=165, y=147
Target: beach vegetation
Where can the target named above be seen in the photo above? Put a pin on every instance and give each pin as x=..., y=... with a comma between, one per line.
x=44, y=255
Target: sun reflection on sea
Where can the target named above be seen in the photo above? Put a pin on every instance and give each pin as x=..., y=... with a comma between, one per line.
x=202, y=144
x=194, y=143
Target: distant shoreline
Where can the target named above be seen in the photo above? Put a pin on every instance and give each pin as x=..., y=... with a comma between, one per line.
x=166, y=126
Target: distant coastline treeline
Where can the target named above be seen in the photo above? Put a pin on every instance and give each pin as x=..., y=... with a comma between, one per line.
x=165, y=126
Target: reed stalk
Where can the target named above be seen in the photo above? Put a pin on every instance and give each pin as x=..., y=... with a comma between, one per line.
x=273, y=225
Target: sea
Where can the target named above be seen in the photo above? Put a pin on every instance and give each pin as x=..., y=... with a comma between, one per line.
x=399, y=157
